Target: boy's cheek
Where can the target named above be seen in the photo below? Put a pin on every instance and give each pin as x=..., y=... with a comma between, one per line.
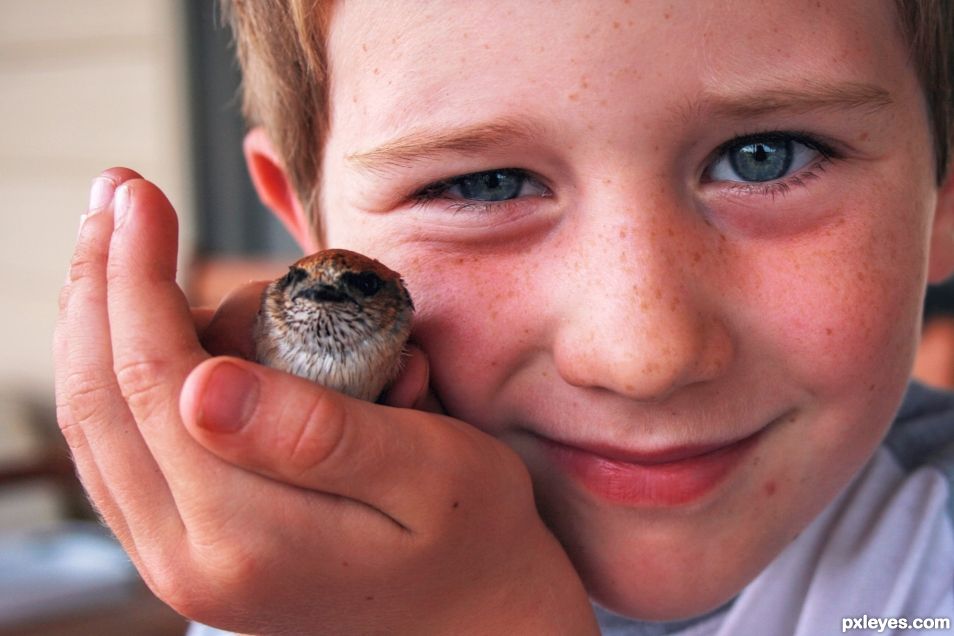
x=847, y=308
x=476, y=316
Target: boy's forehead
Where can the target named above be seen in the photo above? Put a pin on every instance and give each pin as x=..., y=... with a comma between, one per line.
x=395, y=65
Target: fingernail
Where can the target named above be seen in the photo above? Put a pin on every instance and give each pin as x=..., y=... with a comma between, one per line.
x=229, y=398
x=100, y=194
x=120, y=205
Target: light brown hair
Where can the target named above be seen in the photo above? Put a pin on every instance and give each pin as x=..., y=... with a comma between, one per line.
x=928, y=29
x=280, y=46
x=281, y=49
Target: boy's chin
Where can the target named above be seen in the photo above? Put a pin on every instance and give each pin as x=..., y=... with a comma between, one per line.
x=642, y=596
x=668, y=593
x=667, y=569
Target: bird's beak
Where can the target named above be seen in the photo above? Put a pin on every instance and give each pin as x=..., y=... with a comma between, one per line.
x=323, y=293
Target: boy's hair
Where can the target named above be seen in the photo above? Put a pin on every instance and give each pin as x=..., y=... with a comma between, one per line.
x=928, y=29
x=281, y=46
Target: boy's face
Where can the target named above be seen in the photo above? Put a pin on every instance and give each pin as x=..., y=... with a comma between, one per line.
x=693, y=343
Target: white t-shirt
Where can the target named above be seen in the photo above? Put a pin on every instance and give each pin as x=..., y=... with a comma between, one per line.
x=878, y=560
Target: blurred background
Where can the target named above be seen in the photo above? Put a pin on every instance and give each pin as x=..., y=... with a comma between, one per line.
x=149, y=84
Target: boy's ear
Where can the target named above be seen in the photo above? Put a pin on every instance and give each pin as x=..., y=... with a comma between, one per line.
x=275, y=188
x=941, y=263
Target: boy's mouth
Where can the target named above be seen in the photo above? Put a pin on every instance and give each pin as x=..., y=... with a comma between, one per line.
x=671, y=476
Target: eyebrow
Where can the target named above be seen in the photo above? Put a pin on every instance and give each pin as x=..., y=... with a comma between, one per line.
x=738, y=103
x=430, y=144
x=807, y=96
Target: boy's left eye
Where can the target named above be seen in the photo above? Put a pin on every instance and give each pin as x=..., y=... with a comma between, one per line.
x=760, y=158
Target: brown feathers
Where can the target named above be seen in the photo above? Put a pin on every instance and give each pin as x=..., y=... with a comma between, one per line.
x=338, y=318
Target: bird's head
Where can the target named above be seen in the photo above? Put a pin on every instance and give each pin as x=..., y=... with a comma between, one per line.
x=346, y=284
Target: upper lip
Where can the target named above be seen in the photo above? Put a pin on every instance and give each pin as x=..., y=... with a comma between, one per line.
x=663, y=455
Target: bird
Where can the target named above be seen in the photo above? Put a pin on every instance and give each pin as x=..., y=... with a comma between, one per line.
x=338, y=318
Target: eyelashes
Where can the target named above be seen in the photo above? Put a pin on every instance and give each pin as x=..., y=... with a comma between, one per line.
x=768, y=164
x=782, y=187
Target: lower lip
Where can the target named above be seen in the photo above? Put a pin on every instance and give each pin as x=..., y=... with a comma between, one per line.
x=673, y=483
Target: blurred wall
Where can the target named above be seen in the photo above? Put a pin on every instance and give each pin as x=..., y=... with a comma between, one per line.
x=85, y=85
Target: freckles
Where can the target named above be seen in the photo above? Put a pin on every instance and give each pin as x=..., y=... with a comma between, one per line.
x=463, y=281
x=850, y=304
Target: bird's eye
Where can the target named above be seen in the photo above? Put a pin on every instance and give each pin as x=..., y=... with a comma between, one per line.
x=365, y=283
x=294, y=275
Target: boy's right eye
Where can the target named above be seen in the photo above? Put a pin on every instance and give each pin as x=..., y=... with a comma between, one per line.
x=484, y=188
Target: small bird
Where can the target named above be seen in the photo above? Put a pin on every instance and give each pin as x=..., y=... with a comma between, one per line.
x=337, y=318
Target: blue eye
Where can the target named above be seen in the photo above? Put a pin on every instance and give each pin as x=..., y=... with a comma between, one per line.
x=495, y=185
x=768, y=157
x=762, y=161
x=485, y=187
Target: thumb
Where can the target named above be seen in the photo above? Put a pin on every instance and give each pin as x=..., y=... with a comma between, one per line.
x=298, y=432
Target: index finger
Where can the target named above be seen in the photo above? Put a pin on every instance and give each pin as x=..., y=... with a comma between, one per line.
x=154, y=342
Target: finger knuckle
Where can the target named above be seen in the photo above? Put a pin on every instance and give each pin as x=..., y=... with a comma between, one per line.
x=142, y=383
x=88, y=391
x=87, y=264
x=202, y=589
x=180, y=589
x=321, y=436
x=72, y=433
x=201, y=584
x=234, y=571
x=177, y=578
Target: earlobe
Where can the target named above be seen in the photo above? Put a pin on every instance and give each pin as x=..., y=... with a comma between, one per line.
x=275, y=188
x=941, y=263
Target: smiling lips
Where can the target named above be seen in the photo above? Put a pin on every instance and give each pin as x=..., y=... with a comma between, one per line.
x=671, y=477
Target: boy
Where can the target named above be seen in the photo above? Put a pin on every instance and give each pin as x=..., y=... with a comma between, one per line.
x=668, y=263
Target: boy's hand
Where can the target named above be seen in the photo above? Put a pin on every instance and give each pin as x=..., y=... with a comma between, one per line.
x=260, y=502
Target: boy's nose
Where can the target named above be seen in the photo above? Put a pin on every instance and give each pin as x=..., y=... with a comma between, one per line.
x=639, y=318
